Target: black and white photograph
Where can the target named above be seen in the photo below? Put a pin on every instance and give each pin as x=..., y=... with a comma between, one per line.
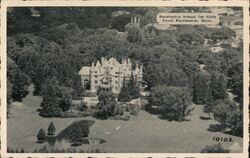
x=125, y=79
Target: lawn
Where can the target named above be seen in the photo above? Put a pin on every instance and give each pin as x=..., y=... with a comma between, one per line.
x=142, y=133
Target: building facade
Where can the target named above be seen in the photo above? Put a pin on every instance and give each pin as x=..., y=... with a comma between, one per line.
x=109, y=74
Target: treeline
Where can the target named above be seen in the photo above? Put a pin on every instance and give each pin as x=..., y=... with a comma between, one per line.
x=21, y=19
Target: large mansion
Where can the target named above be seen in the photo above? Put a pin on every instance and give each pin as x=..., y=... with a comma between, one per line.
x=109, y=74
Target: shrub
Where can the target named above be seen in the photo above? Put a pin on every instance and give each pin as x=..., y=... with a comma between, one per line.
x=22, y=150
x=118, y=110
x=134, y=109
x=89, y=94
x=93, y=107
x=51, y=129
x=70, y=113
x=83, y=106
x=41, y=136
x=217, y=148
x=126, y=118
x=84, y=114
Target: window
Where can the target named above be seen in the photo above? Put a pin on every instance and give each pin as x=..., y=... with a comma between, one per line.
x=96, y=81
x=116, y=82
x=95, y=76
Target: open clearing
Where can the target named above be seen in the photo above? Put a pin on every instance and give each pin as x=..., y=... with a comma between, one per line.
x=142, y=133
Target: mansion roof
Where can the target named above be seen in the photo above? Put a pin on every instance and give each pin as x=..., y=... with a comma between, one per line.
x=110, y=66
x=85, y=70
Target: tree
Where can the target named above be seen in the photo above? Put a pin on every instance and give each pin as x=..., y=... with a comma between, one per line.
x=120, y=21
x=41, y=136
x=19, y=20
x=200, y=88
x=129, y=90
x=164, y=70
x=106, y=105
x=124, y=93
x=172, y=102
x=218, y=86
x=150, y=17
x=217, y=148
x=235, y=122
x=222, y=111
x=209, y=106
x=190, y=36
x=134, y=34
x=17, y=80
x=222, y=33
x=133, y=87
x=64, y=95
x=190, y=68
x=9, y=98
x=50, y=104
x=51, y=129
x=236, y=82
x=22, y=150
x=78, y=132
x=19, y=87
x=77, y=87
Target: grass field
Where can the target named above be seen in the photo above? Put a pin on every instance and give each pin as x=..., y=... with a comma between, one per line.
x=142, y=133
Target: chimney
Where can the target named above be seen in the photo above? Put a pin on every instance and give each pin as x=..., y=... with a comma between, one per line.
x=141, y=69
x=137, y=67
x=102, y=60
x=128, y=60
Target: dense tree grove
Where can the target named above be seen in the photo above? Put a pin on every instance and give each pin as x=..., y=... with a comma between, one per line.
x=173, y=102
x=48, y=51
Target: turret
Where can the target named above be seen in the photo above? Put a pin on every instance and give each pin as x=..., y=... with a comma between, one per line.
x=141, y=69
x=92, y=84
x=137, y=67
x=102, y=60
x=129, y=64
x=124, y=62
x=135, y=21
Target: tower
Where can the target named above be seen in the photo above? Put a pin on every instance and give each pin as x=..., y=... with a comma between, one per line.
x=135, y=21
x=92, y=82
